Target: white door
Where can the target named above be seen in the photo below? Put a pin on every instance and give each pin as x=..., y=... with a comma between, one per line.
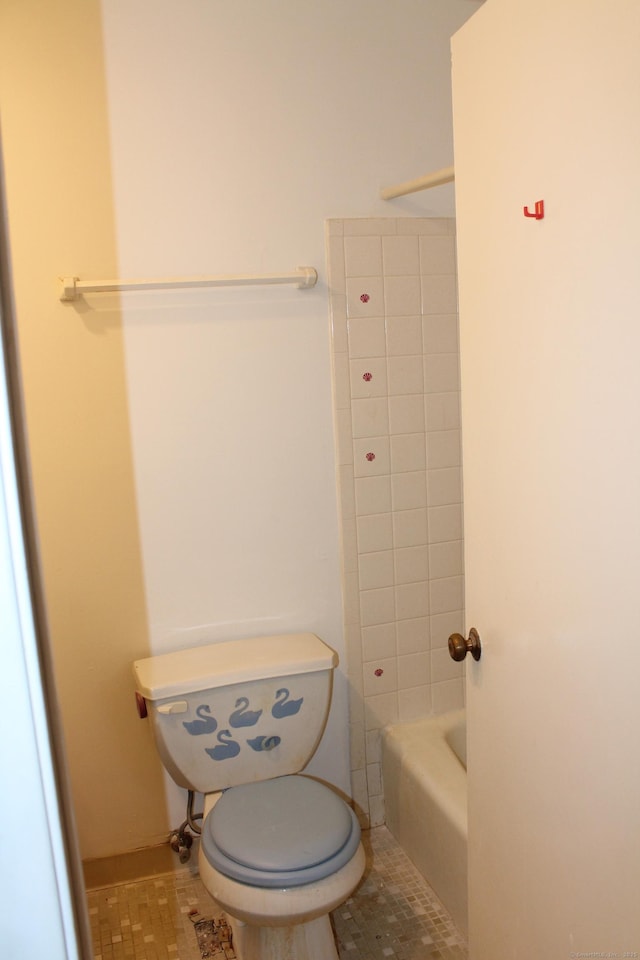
x=547, y=108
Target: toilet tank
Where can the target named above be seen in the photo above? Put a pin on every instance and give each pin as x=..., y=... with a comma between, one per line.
x=236, y=712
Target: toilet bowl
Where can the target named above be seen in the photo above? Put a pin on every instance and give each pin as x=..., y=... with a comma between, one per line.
x=279, y=850
x=278, y=856
x=286, y=924
x=288, y=921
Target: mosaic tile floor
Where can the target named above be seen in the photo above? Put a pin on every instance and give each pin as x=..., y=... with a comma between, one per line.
x=393, y=914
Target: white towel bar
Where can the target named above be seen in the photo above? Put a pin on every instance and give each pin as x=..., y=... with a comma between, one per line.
x=446, y=175
x=72, y=287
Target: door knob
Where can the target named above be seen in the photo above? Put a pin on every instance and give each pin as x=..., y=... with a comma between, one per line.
x=459, y=647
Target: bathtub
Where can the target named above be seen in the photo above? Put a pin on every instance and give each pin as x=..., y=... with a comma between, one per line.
x=425, y=790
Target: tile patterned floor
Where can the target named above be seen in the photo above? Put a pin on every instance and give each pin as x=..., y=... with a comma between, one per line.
x=393, y=914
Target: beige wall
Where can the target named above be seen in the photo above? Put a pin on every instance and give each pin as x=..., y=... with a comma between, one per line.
x=221, y=139
x=58, y=181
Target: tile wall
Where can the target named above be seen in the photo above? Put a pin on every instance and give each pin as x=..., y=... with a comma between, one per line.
x=397, y=409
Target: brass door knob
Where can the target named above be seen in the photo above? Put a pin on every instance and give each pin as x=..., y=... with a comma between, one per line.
x=459, y=647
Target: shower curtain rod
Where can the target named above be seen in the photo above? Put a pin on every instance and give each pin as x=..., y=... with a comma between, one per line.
x=72, y=287
x=446, y=175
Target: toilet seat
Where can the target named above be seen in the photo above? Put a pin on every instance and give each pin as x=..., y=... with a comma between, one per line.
x=285, y=832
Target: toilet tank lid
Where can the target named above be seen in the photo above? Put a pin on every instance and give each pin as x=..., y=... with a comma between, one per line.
x=233, y=661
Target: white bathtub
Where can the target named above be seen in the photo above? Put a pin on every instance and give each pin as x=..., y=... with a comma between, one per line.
x=425, y=790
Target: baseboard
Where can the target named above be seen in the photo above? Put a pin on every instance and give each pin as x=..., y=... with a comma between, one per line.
x=136, y=865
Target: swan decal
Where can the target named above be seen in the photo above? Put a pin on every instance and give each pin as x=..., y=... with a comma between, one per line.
x=264, y=743
x=241, y=717
x=284, y=707
x=206, y=724
x=226, y=748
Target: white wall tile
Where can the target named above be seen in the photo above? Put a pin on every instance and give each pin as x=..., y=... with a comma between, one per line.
x=446, y=594
x=408, y=452
x=344, y=436
x=411, y=564
x=354, y=662
x=370, y=418
x=437, y=255
x=351, y=598
x=371, y=456
x=414, y=703
x=412, y=600
x=373, y=746
x=414, y=670
x=357, y=745
x=359, y=791
x=365, y=297
x=366, y=337
x=335, y=263
x=443, y=447
x=374, y=779
x=379, y=710
x=349, y=543
x=402, y=296
x=444, y=486
x=397, y=376
x=341, y=381
x=369, y=226
x=375, y=533
x=447, y=696
x=442, y=411
x=380, y=677
x=443, y=667
x=442, y=625
x=372, y=495
x=445, y=523
x=429, y=226
x=368, y=377
x=401, y=256
x=440, y=333
x=377, y=570
x=377, y=606
x=378, y=642
x=409, y=490
x=376, y=811
x=413, y=636
x=439, y=294
x=410, y=528
x=441, y=373
x=445, y=559
x=405, y=375
x=347, y=494
x=407, y=414
x=362, y=256
x=339, y=332
x=339, y=339
x=404, y=336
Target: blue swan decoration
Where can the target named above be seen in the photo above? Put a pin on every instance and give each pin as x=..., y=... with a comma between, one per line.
x=284, y=707
x=241, y=717
x=226, y=748
x=206, y=724
x=264, y=743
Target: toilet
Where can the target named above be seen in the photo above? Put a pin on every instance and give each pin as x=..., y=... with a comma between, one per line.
x=237, y=721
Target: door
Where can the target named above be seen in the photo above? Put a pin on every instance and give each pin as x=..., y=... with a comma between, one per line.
x=547, y=108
